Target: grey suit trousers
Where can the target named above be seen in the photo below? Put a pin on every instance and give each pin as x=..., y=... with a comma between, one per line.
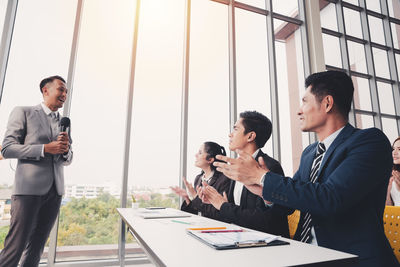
x=32, y=218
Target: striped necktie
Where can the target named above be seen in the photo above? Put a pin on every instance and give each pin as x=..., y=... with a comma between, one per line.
x=307, y=224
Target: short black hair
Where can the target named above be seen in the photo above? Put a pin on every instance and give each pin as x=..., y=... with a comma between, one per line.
x=335, y=83
x=212, y=149
x=49, y=80
x=254, y=121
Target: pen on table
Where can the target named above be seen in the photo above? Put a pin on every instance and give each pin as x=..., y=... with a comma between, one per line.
x=222, y=231
x=180, y=221
x=207, y=228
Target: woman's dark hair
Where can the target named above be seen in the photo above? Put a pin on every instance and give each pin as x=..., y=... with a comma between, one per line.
x=396, y=167
x=212, y=149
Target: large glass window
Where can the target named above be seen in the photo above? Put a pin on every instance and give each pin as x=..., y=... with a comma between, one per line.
x=332, y=50
x=253, y=90
x=154, y=162
x=378, y=77
x=376, y=30
x=357, y=57
x=288, y=8
x=328, y=16
x=208, y=115
x=290, y=74
x=39, y=49
x=352, y=22
x=88, y=220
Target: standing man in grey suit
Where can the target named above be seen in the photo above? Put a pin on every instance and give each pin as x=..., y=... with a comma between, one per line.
x=33, y=137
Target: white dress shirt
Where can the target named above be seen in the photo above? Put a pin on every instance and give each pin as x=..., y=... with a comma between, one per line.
x=237, y=191
x=47, y=110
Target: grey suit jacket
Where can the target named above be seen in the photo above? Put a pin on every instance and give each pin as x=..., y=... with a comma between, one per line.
x=27, y=130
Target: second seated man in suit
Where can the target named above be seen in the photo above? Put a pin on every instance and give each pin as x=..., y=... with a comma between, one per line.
x=33, y=137
x=240, y=206
x=340, y=186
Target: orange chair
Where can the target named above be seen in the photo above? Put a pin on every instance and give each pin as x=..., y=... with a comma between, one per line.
x=293, y=221
x=391, y=223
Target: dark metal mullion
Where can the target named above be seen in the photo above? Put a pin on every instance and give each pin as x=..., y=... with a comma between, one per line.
x=364, y=112
x=394, y=20
x=250, y=8
x=394, y=75
x=232, y=68
x=344, y=52
x=128, y=129
x=360, y=74
x=331, y=32
x=6, y=39
x=273, y=82
x=185, y=96
x=287, y=19
x=304, y=39
x=51, y=258
x=370, y=65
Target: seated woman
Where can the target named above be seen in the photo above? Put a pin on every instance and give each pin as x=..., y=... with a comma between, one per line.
x=204, y=159
x=393, y=192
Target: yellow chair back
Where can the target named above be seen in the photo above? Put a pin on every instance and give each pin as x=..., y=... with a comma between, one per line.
x=391, y=222
x=293, y=221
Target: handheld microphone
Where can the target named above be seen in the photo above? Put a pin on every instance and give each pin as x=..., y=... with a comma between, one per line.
x=64, y=123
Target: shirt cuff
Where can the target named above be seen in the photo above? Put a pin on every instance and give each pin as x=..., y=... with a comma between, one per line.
x=42, y=153
x=66, y=156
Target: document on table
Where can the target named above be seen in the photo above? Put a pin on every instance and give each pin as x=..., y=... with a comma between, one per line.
x=161, y=213
x=235, y=239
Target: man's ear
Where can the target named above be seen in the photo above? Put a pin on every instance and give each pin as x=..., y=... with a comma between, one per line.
x=251, y=137
x=45, y=90
x=328, y=103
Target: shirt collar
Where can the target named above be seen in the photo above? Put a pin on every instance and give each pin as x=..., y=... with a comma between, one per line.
x=329, y=140
x=255, y=153
x=46, y=108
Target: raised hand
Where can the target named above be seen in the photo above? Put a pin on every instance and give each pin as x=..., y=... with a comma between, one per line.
x=243, y=169
x=181, y=192
x=189, y=188
x=215, y=198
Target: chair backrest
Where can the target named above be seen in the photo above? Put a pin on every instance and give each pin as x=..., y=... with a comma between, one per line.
x=293, y=221
x=391, y=222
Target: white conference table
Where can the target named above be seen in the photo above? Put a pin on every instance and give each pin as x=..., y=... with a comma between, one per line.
x=166, y=243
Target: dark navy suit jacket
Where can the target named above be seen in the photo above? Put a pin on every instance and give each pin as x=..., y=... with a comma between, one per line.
x=348, y=199
x=252, y=212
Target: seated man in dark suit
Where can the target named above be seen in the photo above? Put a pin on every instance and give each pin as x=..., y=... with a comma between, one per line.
x=240, y=206
x=340, y=186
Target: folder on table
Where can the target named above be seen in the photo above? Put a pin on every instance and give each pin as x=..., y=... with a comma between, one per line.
x=234, y=238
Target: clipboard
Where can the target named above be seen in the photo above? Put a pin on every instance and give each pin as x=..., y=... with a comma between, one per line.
x=234, y=239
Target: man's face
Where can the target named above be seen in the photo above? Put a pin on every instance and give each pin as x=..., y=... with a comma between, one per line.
x=311, y=113
x=237, y=138
x=55, y=94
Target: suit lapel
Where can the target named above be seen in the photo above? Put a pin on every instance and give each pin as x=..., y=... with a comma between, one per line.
x=213, y=180
x=43, y=120
x=343, y=135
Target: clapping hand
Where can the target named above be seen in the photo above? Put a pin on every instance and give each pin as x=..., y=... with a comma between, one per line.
x=243, y=169
x=212, y=196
